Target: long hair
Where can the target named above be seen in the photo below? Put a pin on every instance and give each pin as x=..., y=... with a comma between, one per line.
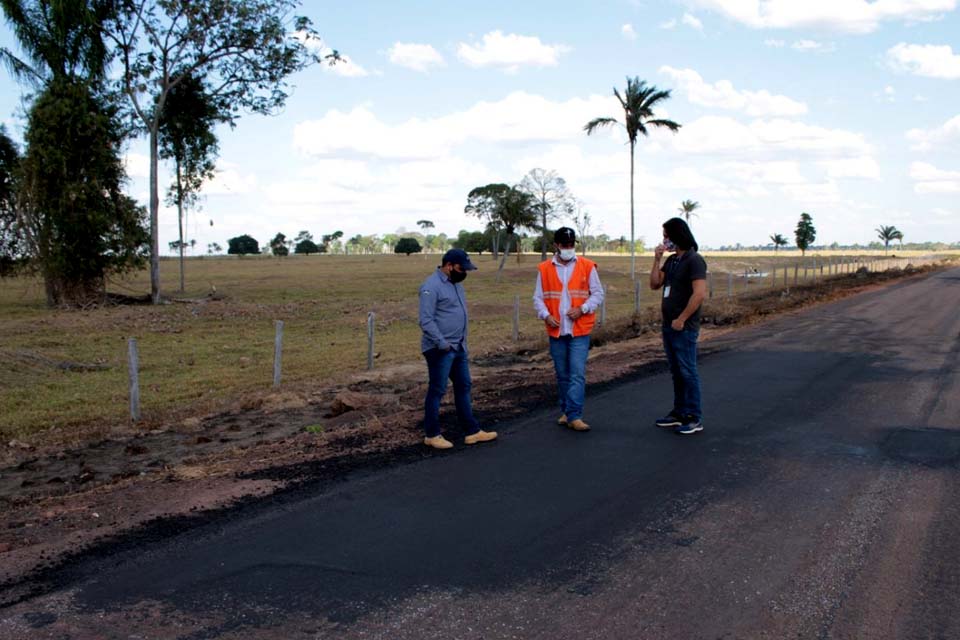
x=679, y=233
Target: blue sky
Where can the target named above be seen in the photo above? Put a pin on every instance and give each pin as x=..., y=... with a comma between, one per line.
x=848, y=110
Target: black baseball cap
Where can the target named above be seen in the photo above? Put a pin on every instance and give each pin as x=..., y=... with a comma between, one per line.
x=460, y=257
x=564, y=235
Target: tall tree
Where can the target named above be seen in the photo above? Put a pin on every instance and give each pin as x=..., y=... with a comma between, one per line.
x=424, y=225
x=78, y=224
x=243, y=49
x=638, y=102
x=186, y=136
x=551, y=195
x=778, y=241
x=11, y=249
x=687, y=208
x=805, y=233
x=887, y=234
x=74, y=222
x=507, y=207
x=582, y=221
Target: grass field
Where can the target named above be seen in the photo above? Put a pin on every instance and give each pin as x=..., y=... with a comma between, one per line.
x=199, y=355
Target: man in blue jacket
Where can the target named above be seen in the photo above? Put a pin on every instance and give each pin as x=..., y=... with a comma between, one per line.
x=443, y=320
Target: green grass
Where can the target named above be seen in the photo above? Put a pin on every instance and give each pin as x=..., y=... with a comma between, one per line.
x=196, y=356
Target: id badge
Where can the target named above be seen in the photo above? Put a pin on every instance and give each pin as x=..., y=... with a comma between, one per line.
x=666, y=291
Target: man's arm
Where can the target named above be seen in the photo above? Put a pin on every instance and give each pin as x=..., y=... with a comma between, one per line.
x=542, y=312
x=656, y=275
x=596, y=293
x=696, y=299
x=428, y=318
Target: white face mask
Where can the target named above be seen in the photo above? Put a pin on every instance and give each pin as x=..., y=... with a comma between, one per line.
x=567, y=254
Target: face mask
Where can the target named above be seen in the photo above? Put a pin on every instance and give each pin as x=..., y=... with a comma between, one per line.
x=567, y=254
x=668, y=245
x=457, y=276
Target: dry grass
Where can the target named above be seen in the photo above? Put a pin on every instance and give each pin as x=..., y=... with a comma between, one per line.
x=204, y=354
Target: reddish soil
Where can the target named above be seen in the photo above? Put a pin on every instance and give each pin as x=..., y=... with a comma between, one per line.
x=58, y=501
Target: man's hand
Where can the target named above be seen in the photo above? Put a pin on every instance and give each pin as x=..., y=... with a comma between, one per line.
x=553, y=322
x=677, y=324
x=658, y=252
x=574, y=313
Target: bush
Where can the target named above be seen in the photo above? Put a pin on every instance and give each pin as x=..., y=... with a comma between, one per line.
x=242, y=245
x=307, y=247
x=407, y=246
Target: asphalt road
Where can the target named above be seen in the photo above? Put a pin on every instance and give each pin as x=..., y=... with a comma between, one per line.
x=821, y=501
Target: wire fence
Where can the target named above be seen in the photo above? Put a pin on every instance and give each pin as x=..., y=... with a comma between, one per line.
x=619, y=303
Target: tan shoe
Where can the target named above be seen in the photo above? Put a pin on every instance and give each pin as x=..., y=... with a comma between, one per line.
x=480, y=436
x=438, y=442
x=562, y=420
x=578, y=425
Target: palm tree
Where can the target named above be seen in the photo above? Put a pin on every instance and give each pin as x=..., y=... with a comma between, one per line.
x=638, y=102
x=887, y=234
x=61, y=39
x=687, y=208
x=778, y=241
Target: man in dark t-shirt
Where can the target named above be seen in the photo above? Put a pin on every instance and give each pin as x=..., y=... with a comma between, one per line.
x=683, y=280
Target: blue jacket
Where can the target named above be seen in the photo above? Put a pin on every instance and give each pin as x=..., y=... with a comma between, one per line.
x=443, y=313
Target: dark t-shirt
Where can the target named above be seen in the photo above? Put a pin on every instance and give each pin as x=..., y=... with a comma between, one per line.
x=679, y=272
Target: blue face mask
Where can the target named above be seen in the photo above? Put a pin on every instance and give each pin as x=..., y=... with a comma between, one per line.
x=668, y=245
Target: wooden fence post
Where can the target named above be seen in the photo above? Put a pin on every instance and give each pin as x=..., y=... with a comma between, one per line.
x=603, y=307
x=277, y=353
x=516, y=318
x=371, y=323
x=133, y=364
x=796, y=273
x=729, y=283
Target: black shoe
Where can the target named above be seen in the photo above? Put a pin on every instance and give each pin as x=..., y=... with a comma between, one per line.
x=690, y=426
x=670, y=420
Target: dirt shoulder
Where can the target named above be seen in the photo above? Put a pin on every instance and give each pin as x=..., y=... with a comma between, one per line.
x=60, y=500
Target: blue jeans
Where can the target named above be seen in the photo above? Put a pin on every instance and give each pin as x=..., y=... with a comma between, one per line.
x=570, y=362
x=681, y=349
x=442, y=366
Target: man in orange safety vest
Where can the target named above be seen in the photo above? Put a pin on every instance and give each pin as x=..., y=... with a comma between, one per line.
x=567, y=296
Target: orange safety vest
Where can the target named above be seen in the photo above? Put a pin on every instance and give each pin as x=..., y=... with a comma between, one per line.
x=579, y=289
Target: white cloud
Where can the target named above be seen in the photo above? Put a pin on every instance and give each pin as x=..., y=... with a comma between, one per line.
x=929, y=179
x=926, y=139
x=419, y=57
x=777, y=44
x=687, y=20
x=510, y=52
x=345, y=67
x=229, y=181
x=628, y=32
x=518, y=118
x=862, y=167
x=718, y=134
x=722, y=94
x=812, y=46
x=692, y=21
x=769, y=173
x=929, y=60
x=852, y=16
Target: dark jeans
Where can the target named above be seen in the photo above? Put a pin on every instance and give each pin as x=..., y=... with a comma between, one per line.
x=570, y=364
x=681, y=349
x=442, y=366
